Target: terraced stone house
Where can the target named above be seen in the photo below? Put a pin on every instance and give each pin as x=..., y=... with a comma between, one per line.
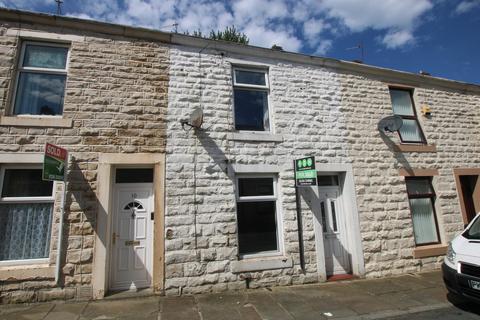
x=153, y=203
x=100, y=91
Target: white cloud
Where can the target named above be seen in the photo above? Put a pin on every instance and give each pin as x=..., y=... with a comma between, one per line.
x=385, y=14
x=261, y=36
x=306, y=25
x=324, y=47
x=398, y=18
x=396, y=39
x=312, y=29
x=466, y=6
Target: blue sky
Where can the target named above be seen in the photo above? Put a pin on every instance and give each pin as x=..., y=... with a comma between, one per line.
x=437, y=36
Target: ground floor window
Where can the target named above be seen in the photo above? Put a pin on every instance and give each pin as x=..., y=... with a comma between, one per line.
x=257, y=215
x=26, y=208
x=421, y=197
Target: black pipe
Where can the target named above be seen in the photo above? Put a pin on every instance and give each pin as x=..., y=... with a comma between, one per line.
x=299, y=226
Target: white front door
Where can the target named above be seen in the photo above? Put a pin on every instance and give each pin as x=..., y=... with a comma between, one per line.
x=332, y=220
x=132, y=235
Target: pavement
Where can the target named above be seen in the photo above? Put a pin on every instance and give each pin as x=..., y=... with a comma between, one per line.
x=411, y=296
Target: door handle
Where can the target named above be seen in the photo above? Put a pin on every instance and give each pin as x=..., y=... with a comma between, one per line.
x=152, y=215
x=114, y=238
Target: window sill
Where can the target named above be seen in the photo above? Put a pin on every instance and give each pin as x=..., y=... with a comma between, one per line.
x=256, y=136
x=26, y=272
x=54, y=122
x=260, y=264
x=415, y=148
x=433, y=250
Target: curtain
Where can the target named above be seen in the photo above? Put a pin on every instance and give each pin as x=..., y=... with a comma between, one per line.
x=266, y=120
x=40, y=93
x=424, y=227
x=25, y=231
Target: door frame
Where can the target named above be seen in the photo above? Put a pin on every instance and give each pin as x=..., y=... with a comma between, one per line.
x=457, y=172
x=352, y=223
x=107, y=163
x=115, y=212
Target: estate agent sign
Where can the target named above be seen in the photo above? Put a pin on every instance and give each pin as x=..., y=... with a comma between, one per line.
x=54, y=163
x=305, y=173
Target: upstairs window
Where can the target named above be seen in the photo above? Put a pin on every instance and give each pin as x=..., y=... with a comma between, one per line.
x=26, y=206
x=41, y=78
x=250, y=91
x=402, y=103
x=421, y=197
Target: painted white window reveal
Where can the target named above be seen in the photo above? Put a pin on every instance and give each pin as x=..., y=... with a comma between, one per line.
x=250, y=94
x=26, y=208
x=41, y=79
x=258, y=216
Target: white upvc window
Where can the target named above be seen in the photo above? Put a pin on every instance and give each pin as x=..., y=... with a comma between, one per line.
x=41, y=79
x=250, y=94
x=258, y=216
x=26, y=209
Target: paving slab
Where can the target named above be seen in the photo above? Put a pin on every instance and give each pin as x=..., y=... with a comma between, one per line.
x=63, y=311
x=399, y=300
x=178, y=308
x=357, y=299
x=377, y=286
x=430, y=295
x=300, y=306
x=410, y=282
x=32, y=312
x=266, y=306
x=430, y=279
x=216, y=306
x=142, y=308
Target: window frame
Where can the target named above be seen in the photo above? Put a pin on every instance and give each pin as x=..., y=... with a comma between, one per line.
x=278, y=215
x=10, y=200
x=432, y=196
x=253, y=87
x=414, y=117
x=36, y=70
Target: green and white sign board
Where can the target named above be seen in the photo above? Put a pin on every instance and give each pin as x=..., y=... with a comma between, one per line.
x=305, y=173
x=54, y=163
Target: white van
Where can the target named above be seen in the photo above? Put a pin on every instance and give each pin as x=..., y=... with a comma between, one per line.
x=461, y=266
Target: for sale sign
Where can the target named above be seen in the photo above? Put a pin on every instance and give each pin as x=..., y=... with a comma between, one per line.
x=305, y=173
x=54, y=163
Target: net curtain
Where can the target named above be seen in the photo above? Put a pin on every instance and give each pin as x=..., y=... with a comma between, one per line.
x=25, y=231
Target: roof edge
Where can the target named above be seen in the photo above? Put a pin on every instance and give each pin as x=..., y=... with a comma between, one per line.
x=387, y=75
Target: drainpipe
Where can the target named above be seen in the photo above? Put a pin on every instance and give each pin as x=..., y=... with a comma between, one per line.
x=60, y=226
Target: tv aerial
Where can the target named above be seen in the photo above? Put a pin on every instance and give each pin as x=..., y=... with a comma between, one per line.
x=59, y=6
x=195, y=119
x=390, y=124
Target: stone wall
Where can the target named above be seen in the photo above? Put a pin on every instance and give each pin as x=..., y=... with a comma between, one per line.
x=117, y=97
x=200, y=204
x=317, y=111
x=385, y=216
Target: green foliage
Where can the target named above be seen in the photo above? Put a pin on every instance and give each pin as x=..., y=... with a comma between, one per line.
x=229, y=34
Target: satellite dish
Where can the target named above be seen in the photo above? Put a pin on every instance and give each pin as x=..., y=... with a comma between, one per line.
x=195, y=119
x=390, y=124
